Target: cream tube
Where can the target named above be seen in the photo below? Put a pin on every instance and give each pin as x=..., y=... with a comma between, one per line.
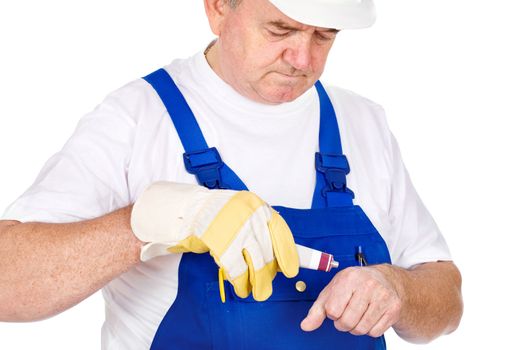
x=315, y=259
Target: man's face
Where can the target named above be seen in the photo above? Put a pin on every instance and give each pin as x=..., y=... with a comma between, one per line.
x=266, y=56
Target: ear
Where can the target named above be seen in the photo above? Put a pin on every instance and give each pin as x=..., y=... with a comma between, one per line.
x=216, y=11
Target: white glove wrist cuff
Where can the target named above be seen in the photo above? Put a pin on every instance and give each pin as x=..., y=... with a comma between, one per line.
x=165, y=211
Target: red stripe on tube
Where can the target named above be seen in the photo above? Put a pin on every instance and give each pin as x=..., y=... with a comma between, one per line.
x=325, y=263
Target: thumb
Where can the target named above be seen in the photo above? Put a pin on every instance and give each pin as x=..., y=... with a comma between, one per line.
x=283, y=244
x=315, y=317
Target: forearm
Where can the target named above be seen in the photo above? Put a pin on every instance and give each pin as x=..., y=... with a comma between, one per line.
x=431, y=300
x=47, y=268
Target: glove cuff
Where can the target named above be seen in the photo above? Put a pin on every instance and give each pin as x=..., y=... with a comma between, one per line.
x=165, y=211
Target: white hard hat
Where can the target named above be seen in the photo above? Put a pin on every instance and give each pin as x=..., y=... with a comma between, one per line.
x=338, y=14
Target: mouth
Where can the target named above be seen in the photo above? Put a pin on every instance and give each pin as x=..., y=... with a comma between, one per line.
x=291, y=76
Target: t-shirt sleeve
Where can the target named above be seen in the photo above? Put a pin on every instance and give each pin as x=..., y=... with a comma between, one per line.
x=87, y=177
x=417, y=236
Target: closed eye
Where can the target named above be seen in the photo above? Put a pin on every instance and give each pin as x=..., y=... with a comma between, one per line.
x=325, y=36
x=279, y=34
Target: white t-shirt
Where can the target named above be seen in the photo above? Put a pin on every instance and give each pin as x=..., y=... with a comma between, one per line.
x=129, y=141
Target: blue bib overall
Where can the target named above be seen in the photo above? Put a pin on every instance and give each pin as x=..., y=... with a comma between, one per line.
x=198, y=319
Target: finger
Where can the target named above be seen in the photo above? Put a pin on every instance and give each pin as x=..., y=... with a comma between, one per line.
x=316, y=314
x=236, y=270
x=382, y=302
x=235, y=264
x=353, y=312
x=314, y=319
x=241, y=284
x=260, y=275
x=384, y=323
x=342, y=292
x=230, y=219
x=259, y=230
x=369, y=319
x=283, y=245
x=389, y=317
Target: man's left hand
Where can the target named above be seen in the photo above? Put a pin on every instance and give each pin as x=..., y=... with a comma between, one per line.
x=360, y=300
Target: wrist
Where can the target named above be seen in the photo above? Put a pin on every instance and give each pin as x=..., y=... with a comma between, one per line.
x=398, y=279
x=165, y=211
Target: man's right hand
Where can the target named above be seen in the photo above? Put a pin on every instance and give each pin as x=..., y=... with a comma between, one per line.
x=245, y=236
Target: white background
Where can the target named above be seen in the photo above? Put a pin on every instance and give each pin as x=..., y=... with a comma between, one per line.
x=449, y=73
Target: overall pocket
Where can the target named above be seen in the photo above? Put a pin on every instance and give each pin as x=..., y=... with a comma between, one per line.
x=275, y=323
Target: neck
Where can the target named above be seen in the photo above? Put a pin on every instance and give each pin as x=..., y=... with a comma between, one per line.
x=211, y=56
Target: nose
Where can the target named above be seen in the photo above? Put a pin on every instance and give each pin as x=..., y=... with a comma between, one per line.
x=299, y=53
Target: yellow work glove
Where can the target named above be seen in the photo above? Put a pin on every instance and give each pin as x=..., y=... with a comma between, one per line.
x=247, y=238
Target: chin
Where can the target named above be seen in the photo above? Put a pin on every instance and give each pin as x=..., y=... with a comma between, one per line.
x=282, y=95
x=280, y=90
x=279, y=98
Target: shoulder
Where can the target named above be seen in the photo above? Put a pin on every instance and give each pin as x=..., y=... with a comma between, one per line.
x=354, y=105
x=132, y=101
x=351, y=98
x=358, y=115
x=137, y=99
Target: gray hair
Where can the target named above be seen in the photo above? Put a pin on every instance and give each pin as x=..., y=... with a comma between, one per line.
x=233, y=3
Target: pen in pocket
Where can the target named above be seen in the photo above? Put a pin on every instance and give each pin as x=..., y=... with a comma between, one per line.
x=361, y=257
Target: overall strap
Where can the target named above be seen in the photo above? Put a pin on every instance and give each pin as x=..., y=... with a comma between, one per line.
x=331, y=164
x=199, y=159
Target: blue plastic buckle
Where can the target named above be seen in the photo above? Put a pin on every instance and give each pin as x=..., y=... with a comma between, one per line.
x=205, y=164
x=334, y=167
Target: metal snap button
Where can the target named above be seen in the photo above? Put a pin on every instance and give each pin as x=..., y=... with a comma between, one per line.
x=300, y=286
